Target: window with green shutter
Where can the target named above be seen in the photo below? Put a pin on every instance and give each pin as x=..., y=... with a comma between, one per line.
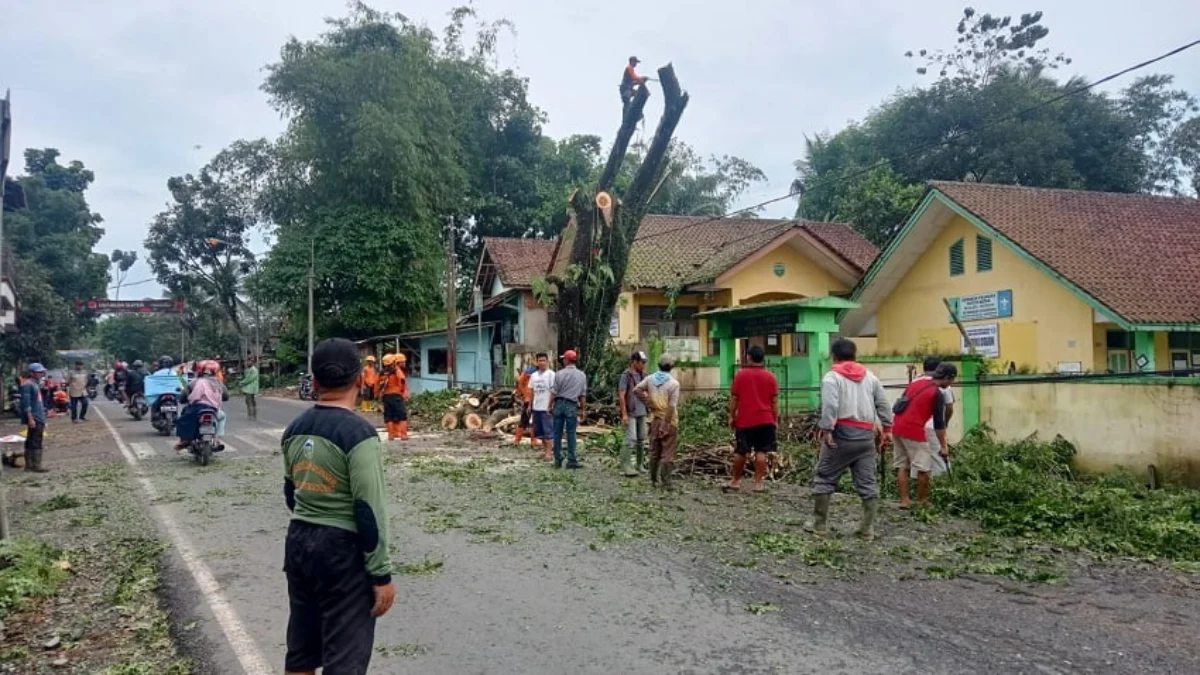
x=983, y=254
x=957, y=264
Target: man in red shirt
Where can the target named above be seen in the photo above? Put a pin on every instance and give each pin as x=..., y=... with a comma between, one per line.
x=753, y=414
x=925, y=401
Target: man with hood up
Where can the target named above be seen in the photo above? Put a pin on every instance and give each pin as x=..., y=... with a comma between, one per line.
x=852, y=404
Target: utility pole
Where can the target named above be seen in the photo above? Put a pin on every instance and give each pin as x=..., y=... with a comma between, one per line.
x=312, y=263
x=451, y=308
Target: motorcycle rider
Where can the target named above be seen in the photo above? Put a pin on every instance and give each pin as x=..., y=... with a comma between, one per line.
x=135, y=381
x=164, y=369
x=206, y=391
x=120, y=377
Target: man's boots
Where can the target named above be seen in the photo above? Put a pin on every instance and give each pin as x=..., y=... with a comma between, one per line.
x=654, y=464
x=866, y=527
x=402, y=430
x=820, y=520
x=626, y=461
x=33, y=461
x=641, y=458
x=391, y=429
x=519, y=435
x=667, y=469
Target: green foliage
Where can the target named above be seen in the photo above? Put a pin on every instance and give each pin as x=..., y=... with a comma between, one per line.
x=45, y=320
x=988, y=45
x=28, y=569
x=1028, y=488
x=604, y=373
x=704, y=420
x=60, y=502
x=128, y=337
x=431, y=404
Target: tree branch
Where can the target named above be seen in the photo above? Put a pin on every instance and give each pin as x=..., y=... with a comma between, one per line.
x=638, y=195
x=629, y=122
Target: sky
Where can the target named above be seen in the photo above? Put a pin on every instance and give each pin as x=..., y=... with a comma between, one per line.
x=141, y=90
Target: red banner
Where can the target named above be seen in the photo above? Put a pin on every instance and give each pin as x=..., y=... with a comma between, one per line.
x=105, y=306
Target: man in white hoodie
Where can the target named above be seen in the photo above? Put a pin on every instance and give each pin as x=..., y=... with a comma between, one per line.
x=852, y=404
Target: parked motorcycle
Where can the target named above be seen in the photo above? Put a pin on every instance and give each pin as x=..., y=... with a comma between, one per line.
x=306, y=387
x=163, y=414
x=205, y=443
x=137, y=407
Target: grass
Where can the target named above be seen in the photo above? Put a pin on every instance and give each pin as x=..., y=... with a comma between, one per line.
x=59, y=502
x=28, y=569
x=140, y=574
x=760, y=608
x=407, y=650
x=426, y=567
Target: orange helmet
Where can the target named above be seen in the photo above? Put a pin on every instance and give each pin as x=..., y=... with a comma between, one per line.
x=209, y=367
x=400, y=358
x=389, y=359
x=371, y=358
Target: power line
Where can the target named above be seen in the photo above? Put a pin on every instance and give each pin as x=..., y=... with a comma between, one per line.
x=999, y=120
x=132, y=283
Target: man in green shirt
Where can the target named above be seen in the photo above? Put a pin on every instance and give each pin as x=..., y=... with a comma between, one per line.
x=336, y=554
x=250, y=387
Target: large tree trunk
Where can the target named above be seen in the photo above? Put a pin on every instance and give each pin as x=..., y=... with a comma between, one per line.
x=590, y=283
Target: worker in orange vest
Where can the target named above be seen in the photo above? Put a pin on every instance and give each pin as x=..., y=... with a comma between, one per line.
x=393, y=385
x=524, y=394
x=368, y=382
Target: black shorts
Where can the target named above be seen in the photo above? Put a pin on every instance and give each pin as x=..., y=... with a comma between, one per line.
x=331, y=597
x=367, y=393
x=394, y=409
x=756, y=439
x=526, y=416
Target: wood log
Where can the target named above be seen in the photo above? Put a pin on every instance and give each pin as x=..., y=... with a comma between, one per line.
x=473, y=401
x=472, y=421
x=493, y=418
x=508, y=423
x=450, y=421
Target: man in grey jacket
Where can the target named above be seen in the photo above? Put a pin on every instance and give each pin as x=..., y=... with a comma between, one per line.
x=852, y=404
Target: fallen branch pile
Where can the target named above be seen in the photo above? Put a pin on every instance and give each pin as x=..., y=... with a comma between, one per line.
x=715, y=457
x=500, y=410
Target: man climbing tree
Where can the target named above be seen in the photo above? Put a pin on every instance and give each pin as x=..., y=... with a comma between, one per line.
x=630, y=82
x=593, y=252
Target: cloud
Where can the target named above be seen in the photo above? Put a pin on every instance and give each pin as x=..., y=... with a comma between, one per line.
x=132, y=88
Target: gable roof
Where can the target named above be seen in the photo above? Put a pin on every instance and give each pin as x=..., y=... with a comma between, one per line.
x=681, y=250
x=684, y=250
x=516, y=261
x=1131, y=254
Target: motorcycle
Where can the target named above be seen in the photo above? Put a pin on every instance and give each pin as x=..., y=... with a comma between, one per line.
x=163, y=414
x=14, y=398
x=137, y=407
x=306, y=387
x=93, y=387
x=205, y=443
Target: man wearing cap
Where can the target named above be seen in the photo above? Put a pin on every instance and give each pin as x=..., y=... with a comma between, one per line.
x=33, y=410
x=570, y=392
x=633, y=414
x=630, y=81
x=336, y=558
x=661, y=391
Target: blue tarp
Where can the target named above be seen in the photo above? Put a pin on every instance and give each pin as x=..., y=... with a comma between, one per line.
x=157, y=385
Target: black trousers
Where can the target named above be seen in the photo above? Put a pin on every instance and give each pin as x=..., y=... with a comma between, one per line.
x=79, y=407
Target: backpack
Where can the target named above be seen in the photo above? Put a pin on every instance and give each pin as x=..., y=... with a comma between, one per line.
x=901, y=403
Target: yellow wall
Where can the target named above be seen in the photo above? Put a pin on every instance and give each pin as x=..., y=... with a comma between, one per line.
x=801, y=277
x=1049, y=323
x=1111, y=425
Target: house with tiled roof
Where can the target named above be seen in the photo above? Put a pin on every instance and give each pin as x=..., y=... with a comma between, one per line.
x=1041, y=280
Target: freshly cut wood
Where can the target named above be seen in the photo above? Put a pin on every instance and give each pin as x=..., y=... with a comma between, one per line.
x=472, y=421
x=508, y=423
x=450, y=421
x=473, y=401
x=490, y=423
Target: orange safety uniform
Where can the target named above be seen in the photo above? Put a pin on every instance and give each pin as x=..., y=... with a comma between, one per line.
x=525, y=393
x=393, y=387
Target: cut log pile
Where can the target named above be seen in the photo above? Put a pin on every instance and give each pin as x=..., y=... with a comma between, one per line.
x=500, y=411
x=714, y=459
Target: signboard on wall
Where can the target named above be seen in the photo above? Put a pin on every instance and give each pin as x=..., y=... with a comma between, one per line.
x=682, y=348
x=993, y=305
x=985, y=338
x=754, y=326
x=105, y=306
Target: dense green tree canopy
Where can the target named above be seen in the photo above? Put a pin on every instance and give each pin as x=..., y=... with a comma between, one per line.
x=995, y=115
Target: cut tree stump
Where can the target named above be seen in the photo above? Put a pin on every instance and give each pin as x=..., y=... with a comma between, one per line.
x=472, y=421
x=450, y=421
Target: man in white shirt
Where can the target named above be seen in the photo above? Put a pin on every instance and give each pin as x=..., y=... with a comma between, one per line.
x=939, y=462
x=542, y=384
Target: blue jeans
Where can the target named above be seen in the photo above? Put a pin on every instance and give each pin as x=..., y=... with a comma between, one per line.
x=566, y=418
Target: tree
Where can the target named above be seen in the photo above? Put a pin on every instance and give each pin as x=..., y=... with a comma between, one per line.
x=57, y=230
x=130, y=337
x=1162, y=119
x=122, y=261
x=601, y=232
x=989, y=45
x=198, y=246
x=692, y=185
x=45, y=320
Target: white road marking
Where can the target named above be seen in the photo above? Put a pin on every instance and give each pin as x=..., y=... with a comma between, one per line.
x=244, y=648
x=275, y=434
x=143, y=450
x=229, y=449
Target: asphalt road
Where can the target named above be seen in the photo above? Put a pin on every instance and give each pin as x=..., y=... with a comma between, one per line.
x=553, y=605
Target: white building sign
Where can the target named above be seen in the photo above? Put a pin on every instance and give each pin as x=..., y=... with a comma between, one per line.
x=985, y=338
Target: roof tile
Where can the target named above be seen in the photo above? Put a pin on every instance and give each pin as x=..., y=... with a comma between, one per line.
x=518, y=261
x=1134, y=253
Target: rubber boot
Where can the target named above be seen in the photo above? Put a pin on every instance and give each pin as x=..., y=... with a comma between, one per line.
x=519, y=435
x=654, y=471
x=36, y=464
x=667, y=469
x=641, y=458
x=391, y=428
x=866, y=527
x=820, y=521
x=627, y=461
x=402, y=428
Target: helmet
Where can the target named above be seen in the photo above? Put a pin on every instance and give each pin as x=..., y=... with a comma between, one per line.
x=400, y=358
x=389, y=359
x=209, y=367
x=371, y=358
x=165, y=362
x=138, y=363
x=116, y=365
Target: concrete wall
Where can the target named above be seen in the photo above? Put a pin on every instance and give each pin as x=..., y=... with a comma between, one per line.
x=1111, y=424
x=895, y=376
x=801, y=277
x=1049, y=324
x=698, y=380
x=536, y=332
x=469, y=355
